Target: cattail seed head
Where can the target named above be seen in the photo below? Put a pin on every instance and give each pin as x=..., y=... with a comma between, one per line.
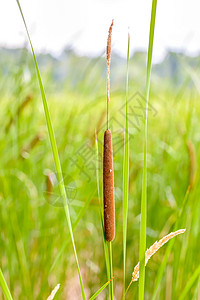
x=108, y=188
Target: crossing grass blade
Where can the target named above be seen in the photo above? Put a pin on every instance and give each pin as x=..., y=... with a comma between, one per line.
x=101, y=289
x=125, y=177
x=55, y=152
x=74, y=225
x=4, y=287
x=144, y=181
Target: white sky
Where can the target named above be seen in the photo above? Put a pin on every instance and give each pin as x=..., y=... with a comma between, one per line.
x=54, y=24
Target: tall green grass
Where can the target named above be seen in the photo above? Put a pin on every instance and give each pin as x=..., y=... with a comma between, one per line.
x=55, y=154
x=4, y=287
x=125, y=176
x=143, y=221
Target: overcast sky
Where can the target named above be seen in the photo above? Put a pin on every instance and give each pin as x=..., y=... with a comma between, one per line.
x=83, y=24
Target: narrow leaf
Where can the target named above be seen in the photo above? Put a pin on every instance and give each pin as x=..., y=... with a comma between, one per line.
x=55, y=153
x=125, y=176
x=74, y=225
x=4, y=287
x=144, y=181
x=100, y=290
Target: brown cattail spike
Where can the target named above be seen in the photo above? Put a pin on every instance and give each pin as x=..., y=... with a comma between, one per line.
x=108, y=188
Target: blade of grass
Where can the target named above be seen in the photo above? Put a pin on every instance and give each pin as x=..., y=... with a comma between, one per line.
x=144, y=181
x=125, y=177
x=4, y=287
x=100, y=290
x=55, y=153
x=74, y=225
x=190, y=283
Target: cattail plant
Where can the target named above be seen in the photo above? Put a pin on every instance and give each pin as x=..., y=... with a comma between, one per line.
x=108, y=176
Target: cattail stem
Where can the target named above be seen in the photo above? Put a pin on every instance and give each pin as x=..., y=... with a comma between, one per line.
x=107, y=114
x=108, y=187
x=111, y=271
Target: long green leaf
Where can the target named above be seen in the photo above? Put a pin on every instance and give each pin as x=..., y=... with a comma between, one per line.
x=144, y=181
x=101, y=289
x=125, y=177
x=4, y=287
x=55, y=153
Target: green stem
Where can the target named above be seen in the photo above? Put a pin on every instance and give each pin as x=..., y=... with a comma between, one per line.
x=54, y=152
x=111, y=272
x=125, y=178
x=108, y=113
x=4, y=287
x=144, y=181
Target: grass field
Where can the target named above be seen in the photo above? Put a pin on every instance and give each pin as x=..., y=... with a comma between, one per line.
x=35, y=247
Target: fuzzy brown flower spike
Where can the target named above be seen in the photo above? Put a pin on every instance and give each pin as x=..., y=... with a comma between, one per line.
x=108, y=172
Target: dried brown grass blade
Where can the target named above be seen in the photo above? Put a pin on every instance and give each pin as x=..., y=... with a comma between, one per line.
x=54, y=292
x=152, y=250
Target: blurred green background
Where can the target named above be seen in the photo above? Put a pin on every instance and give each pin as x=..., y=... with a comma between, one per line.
x=35, y=248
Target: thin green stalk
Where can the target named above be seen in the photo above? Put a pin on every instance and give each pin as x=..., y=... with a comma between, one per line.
x=74, y=225
x=4, y=287
x=144, y=181
x=100, y=290
x=55, y=153
x=107, y=114
x=125, y=177
x=111, y=271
